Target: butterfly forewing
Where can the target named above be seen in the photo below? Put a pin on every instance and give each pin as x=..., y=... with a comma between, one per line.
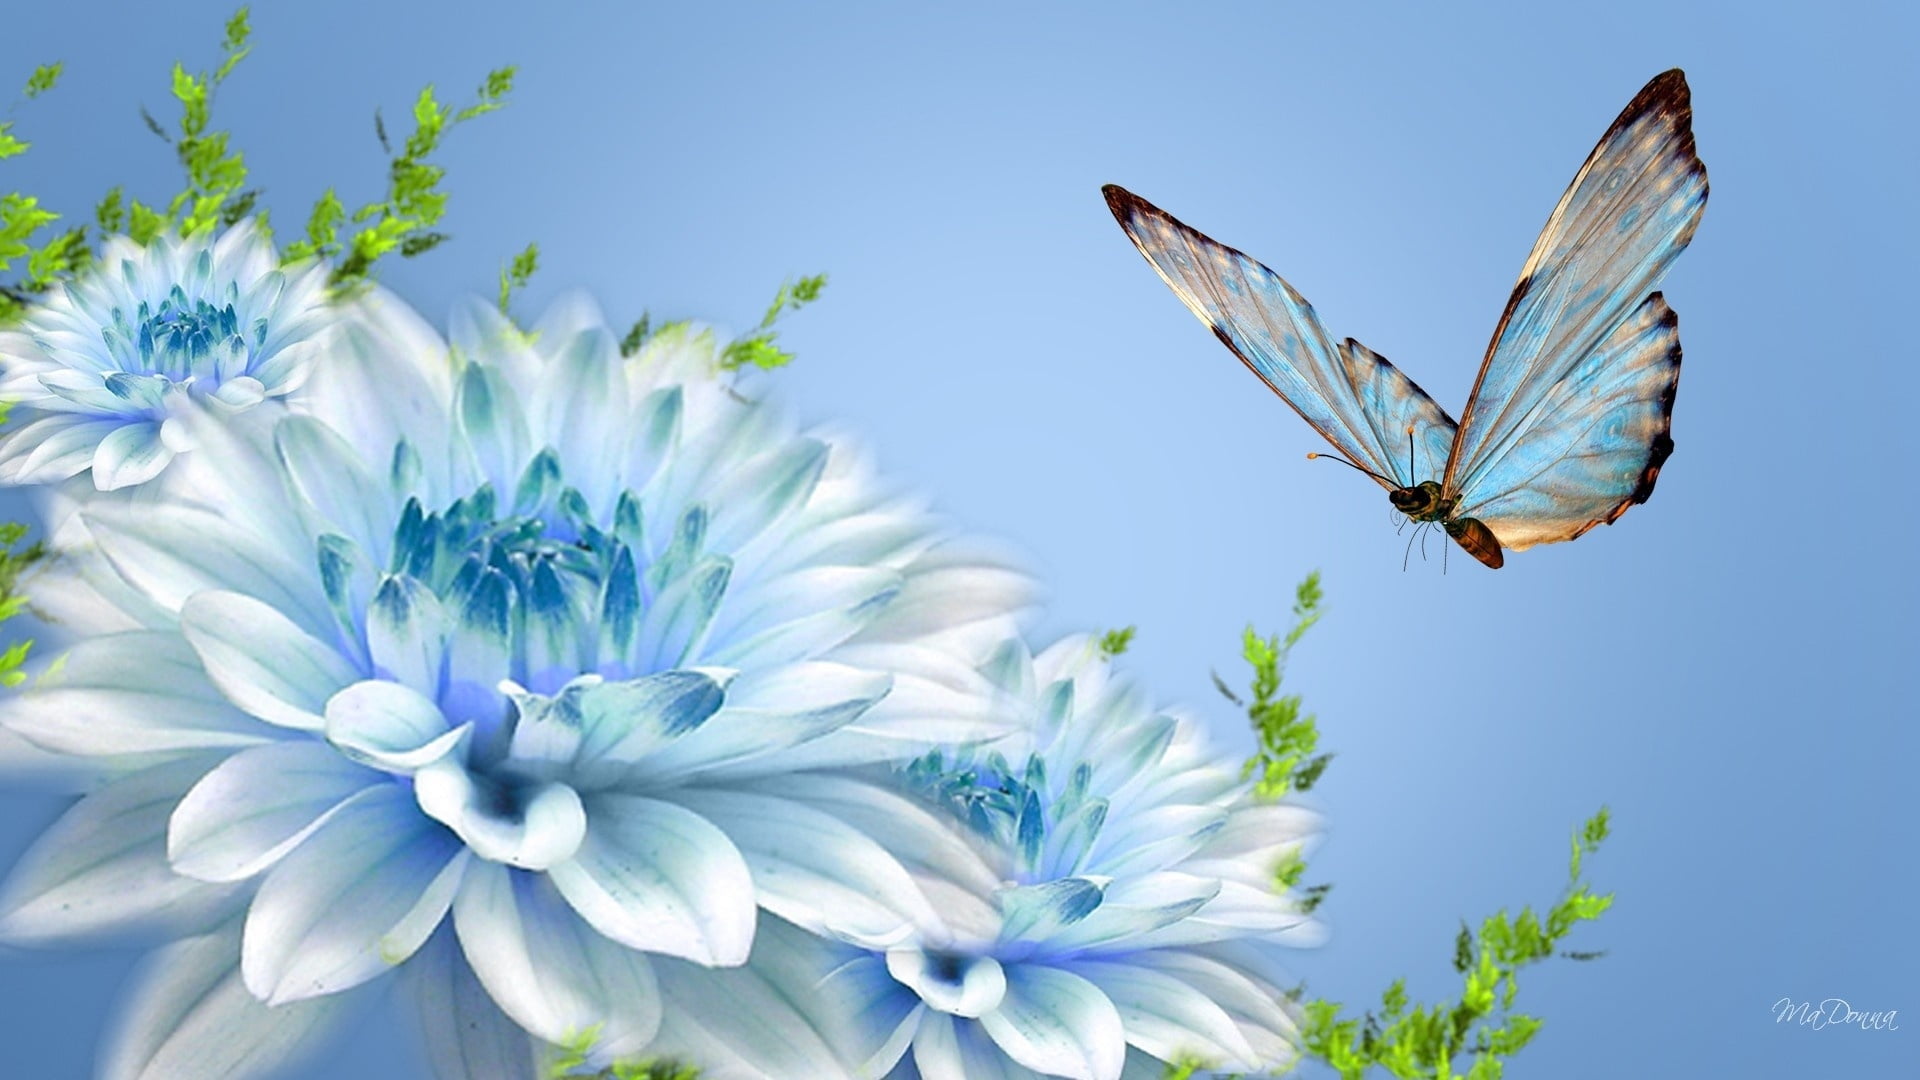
x=1595, y=441
x=1628, y=213
x=1362, y=404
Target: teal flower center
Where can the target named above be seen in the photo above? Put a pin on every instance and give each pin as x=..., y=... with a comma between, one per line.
x=1049, y=834
x=185, y=340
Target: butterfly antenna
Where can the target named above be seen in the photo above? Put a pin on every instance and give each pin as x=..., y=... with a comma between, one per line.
x=1410, y=473
x=1351, y=465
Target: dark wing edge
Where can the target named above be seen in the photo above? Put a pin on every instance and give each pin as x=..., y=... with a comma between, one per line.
x=1667, y=94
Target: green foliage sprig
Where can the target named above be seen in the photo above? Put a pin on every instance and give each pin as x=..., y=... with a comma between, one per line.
x=404, y=221
x=757, y=346
x=1114, y=642
x=1423, y=1041
x=13, y=560
x=1284, y=762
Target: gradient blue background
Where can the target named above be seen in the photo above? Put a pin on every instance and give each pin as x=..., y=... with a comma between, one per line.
x=1728, y=668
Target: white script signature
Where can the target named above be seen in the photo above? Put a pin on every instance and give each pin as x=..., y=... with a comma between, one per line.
x=1830, y=1012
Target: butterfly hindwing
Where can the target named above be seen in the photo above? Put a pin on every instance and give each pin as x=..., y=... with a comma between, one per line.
x=1594, y=443
x=1358, y=401
x=1630, y=210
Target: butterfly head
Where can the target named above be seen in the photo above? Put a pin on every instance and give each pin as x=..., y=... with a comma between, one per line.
x=1421, y=502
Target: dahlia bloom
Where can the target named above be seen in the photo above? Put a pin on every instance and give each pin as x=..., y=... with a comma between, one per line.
x=104, y=375
x=1122, y=914
x=491, y=666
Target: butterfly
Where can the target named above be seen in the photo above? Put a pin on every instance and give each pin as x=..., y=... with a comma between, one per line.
x=1570, y=418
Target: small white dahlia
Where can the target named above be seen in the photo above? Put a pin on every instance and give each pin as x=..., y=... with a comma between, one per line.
x=497, y=659
x=102, y=375
x=1123, y=913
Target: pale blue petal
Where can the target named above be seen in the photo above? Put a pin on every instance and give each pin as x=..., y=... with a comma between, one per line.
x=1040, y=912
x=771, y=710
x=1058, y=1023
x=258, y=805
x=357, y=898
x=621, y=723
x=953, y=585
x=407, y=630
x=957, y=985
x=103, y=865
x=191, y=1017
x=52, y=448
x=660, y=878
x=813, y=869
x=549, y=970
x=493, y=427
x=1137, y=907
x=262, y=660
x=467, y=1036
x=677, y=624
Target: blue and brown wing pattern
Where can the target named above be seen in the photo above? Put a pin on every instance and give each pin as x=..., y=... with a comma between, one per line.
x=1358, y=401
x=1594, y=442
x=1583, y=299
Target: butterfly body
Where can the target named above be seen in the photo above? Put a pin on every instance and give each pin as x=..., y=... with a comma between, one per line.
x=1569, y=420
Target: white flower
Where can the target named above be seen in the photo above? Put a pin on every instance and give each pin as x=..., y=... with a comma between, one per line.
x=497, y=660
x=1126, y=915
x=102, y=374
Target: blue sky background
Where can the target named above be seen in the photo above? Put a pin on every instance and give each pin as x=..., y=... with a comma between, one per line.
x=1728, y=667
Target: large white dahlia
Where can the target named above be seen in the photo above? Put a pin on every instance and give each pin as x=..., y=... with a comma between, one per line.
x=499, y=662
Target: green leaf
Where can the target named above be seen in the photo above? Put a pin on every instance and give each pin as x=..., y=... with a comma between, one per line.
x=1115, y=642
x=757, y=348
x=517, y=273
x=43, y=78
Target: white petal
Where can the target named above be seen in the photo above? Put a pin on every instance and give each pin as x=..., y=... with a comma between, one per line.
x=334, y=482
x=191, y=1017
x=122, y=722
x=358, y=897
x=1168, y=1018
x=548, y=969
x=132, y=454
x=801, y=615
x=657, y=877
x=813, y=869
x=546, y=828
x=946, y=1048
x=927, y=843
x=262, y=661
x=467, y=1036
x=257, y=806
x=738, y=1023
x=953, y=585
x=103, y=865
x=389, y=725
x=1058, y=1023
x=171, y=551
